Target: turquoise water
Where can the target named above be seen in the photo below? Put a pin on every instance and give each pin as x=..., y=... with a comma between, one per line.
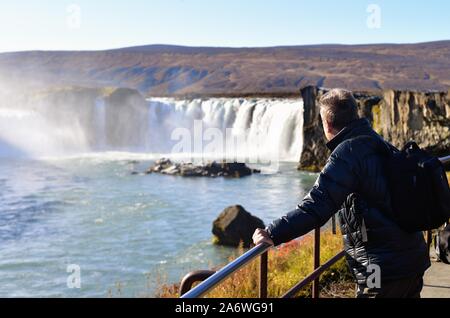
x=125, y=232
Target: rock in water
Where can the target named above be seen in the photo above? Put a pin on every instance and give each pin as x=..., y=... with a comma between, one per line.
x=236, y=170
x=212, y=170
x=160, y=165
x=235, y=225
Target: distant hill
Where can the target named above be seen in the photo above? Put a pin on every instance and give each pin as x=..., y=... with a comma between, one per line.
x=162, y=70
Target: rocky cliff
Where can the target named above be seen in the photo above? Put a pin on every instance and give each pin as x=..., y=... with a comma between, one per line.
x=122, y=107
x=399, y=116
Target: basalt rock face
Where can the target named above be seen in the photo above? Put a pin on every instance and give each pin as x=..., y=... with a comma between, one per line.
x=126, y=119
x=398, y=116
x=423, y=117
x=314, y=150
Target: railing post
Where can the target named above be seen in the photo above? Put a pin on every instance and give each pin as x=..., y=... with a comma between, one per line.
x=316, y=291
x=263, y=275
x=333, y=225
x=308, y=280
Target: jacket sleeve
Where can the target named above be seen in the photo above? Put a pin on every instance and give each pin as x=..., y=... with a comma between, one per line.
x=336, y=182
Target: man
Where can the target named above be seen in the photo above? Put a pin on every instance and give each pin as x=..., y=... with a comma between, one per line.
x=354, y=184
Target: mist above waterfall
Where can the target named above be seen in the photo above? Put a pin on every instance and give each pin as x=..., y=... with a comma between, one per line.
x=33, y=134
x=66, y=125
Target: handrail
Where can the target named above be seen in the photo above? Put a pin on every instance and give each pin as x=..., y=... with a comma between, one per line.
x=194, y=277
x=211, y=279
x=225, y=272
x=445, y=160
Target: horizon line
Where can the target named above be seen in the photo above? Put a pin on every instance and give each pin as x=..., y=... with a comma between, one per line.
x=222, y=47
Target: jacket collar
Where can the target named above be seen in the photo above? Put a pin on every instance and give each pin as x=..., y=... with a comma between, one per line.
x=349, y=132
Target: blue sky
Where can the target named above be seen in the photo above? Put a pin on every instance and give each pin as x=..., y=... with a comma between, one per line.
x=102, y=24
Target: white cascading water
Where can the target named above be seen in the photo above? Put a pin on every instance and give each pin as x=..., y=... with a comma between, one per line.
x=100, y=116
x=263, y=128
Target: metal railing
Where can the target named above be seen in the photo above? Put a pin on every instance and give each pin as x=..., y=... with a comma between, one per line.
x=445, y=160
x=218, y=277
x=211, y=279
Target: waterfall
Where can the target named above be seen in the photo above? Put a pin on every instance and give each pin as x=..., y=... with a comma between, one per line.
x=266, y=128
x=100, y=117
x=263, y=128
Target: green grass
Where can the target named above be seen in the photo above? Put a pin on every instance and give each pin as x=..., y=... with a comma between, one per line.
x=287, y=266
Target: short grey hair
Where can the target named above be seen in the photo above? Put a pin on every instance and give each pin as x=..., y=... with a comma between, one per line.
x=339, y=107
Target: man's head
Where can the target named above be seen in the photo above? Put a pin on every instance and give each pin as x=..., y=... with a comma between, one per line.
x=338, y=108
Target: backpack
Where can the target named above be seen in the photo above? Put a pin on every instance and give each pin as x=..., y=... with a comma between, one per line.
x=418, y=185
x=420, y=193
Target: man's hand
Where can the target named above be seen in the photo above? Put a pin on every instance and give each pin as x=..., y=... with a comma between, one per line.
x=261, y=236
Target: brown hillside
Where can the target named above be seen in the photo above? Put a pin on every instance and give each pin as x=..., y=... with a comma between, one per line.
x=171, y=70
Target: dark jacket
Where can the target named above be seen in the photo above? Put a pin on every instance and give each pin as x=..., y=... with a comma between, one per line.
x=353, y=183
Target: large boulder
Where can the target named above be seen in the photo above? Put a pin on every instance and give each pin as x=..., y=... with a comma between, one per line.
x=235, y=226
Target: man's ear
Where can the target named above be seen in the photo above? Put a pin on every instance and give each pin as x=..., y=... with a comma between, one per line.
x=330, y=129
